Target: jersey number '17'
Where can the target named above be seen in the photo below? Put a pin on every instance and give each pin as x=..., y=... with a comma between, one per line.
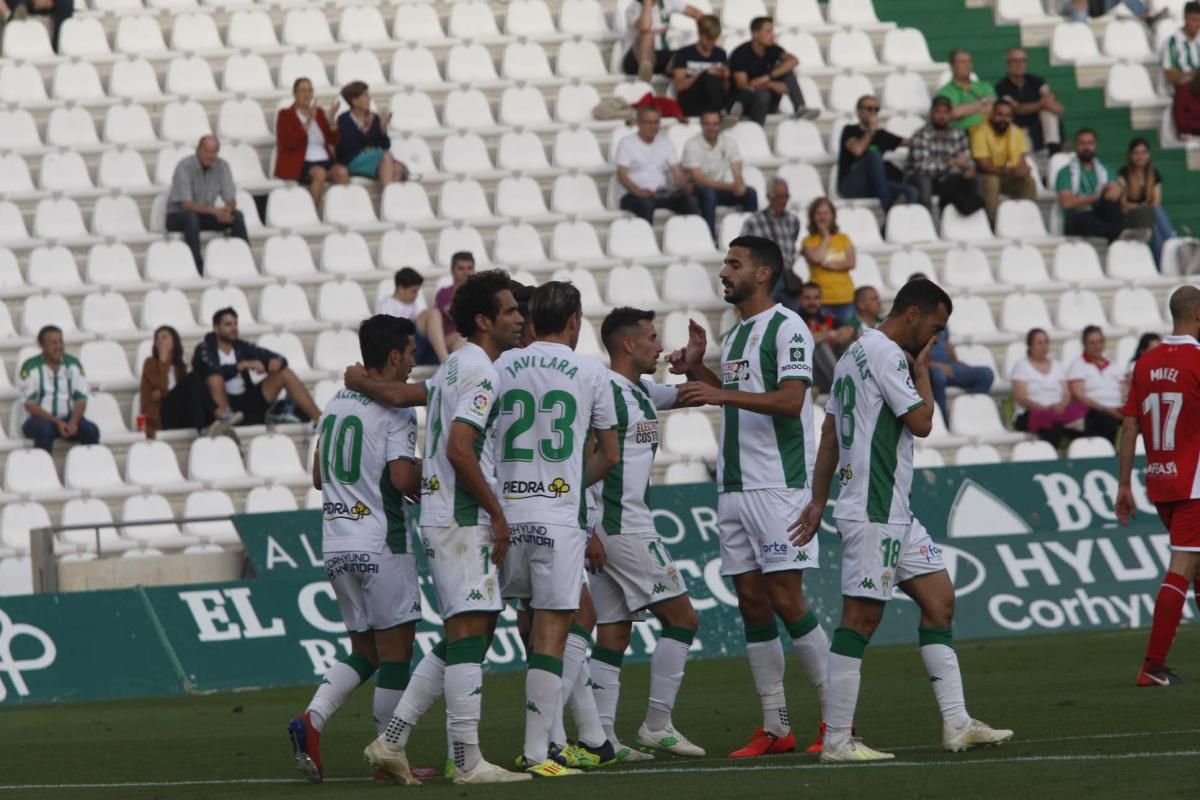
x=1163, y=435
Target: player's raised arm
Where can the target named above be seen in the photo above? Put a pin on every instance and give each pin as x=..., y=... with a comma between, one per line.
x=390, y=393
x=919, y=420
x=808, y=523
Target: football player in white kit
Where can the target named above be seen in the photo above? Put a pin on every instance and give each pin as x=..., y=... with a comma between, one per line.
x=550, y=399
x=364, y=465
x=763, y=479
x=464, y=530
x=882, y=398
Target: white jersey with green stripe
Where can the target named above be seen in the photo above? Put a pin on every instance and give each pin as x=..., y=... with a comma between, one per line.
x=1181, y=53
x=760, y=451
x=626, y=509
x=550, y=397
x=463, y=390
x=872, y=389
x=358, y=439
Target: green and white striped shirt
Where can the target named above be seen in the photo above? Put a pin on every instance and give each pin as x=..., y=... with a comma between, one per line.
x=759, y=451
x=872, y=389
x=1181, y=53
x=55, y=390
x=626, y=509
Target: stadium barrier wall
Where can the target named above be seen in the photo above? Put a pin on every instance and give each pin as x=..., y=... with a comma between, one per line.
x=1032, y=548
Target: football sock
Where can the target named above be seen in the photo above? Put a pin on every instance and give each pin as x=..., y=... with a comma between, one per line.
x=666, y=674
x=558, y=730
x=543, y=690
x=424, y=687
x=941, y=662
x=765, y=652
x=605, y=669
x=844, y=676
x=576, y=692
x=1168, y=610
x=812, y=648
x=390, y=683
x=464, y=699
x=340, y=680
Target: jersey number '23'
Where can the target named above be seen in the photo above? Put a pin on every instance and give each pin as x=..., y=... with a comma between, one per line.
x=556, y=402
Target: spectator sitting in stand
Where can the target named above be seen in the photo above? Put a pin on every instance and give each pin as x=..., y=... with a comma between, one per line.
x=1080, y=10
x=829, y=337
x=830, y=257
x=714, y=164
x=1185, y=108
x=1141, y=198
x=1089, y=197
x=782, y=227
x=649, y=173
x=868, y=309
x=1096, y=382
x=402, y=302
x=304, y=143
x=199, y=183
x=55, y=392
x=165, y=394
x=224, y=364
x=647, y=51
x=1042, y=403
x=971, y=99
x=700, y=71
x=1180, y=57
x=862, y=172
x=1145, y=344
x=363, y=143
x=946, y=370
x=999, y=149
x=940, y=163
x=763, y=72
x=462, y=266
x=1035, y=106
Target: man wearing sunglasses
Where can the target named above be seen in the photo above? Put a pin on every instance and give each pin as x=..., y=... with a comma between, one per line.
x=862, y=171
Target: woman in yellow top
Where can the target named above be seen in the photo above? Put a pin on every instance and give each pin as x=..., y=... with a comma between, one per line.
x=830, y=257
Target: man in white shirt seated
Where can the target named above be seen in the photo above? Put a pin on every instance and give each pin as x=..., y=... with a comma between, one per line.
x=55, y=392
x=649, y=173
x=403, y=303
x=1096, y=382
x=714, y=163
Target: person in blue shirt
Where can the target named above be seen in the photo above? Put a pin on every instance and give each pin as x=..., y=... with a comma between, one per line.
x=363, y=142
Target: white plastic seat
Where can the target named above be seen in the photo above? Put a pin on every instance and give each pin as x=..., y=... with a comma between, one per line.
x=108, y=265
x=730, y=228
x=973, y=318
x=470, y=63
x=345, y=254
x=152, y=465
x=133, y=78
x=976, y=416
x=290, y=208
x=82, y=37
x=270, y=499
x=906, y=47
x=575, y=102
x=632, y=286
x=104, y=410
x=242, y=120
x=333, y=351
x=737, y=14
x=860, y=225
x=163, y=535
x=358, y=63
x=957, y=228
x=184, y=122
x=689, y=285
x=1073, y=43
x=16, y=520
x=582, y=17
x=1079, y=308
x=195, y=32
x=461, y=237
x=1020, y=220
x=31, y=472
x=580, y=59
x=905, y=91
x=910, y=223
x=415, y=66
x=287, y=256
x=689, y=434
x=76, y=81
x=519, y=197
x=1129, y=84
x=128, y=124
x=106, y=313
x=1022, y=265
x=521, y=151
x=53, y=267
x=576, y=241
x=306, y=27
x=525, y=61
x=414, y=152
x=467, y=108
x=349, y=205
x=64, y=171
x=20, y=130
x=362, y=25
x=1023, y=312
x=303, y=64
x=274, y=457
x=465, y=153
x=228, y=258
x=139, y=34
x=632, y=238
x=169, y=261
x=516, y=244
x=250, y=29
x=1132, y=261
x=851, y=48
x=688, y=235
x=799, y=139
x=342, y=301
x=1091, y=447
x=92, y=468
x=463, y=199
x=246, y=72
x=122, y=168
x=14, y=174
x=1033, y=450
x=858, y=13
x=577, y=149
x=751, y=141
x=405, y=202
x=686, y=472
x=284, y=304
x=927, y=458
x=168, y=307
x=91, y=511
x=471, y=19
x=528, y=18
x=218, y=297
x=417, y=22
x=975, y=454
x=845, y=91
x=21, y=83
x=1126, y=39
x=523, y=106
x=413, y=111
x=1077, y=262
x=217, y=461
x=46, y=309
x=1136, y=309
x=211, y=503
x=967, y=267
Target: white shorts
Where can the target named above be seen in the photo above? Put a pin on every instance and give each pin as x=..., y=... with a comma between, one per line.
x=375, y=591
x=638, y=572
x=878, y=555
x=544, y=565
x=460, y=563
x=753, y=528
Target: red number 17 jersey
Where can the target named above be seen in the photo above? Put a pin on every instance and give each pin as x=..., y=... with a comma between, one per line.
x=1164, y=395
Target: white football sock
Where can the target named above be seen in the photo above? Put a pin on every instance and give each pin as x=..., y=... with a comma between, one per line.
x=941, y=662
x=844, y=674
x=464, y=704
x=584, y=711
x=766, y=665
x=425, y=685
x=558, y=731
x=382, y=706
x=543, y=691
x=606, y=688
x=666, y=675
x=812, y=649
x=340, y=680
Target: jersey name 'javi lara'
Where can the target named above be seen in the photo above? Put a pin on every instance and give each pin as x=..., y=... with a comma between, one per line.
x=551, y=363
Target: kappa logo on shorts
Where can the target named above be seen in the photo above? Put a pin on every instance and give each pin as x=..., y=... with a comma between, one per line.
x=475, y=594
x=801, y=556
x=353, y=513
x=525, y=490
x=659, y=589
x=867, y=583
x=416, y=607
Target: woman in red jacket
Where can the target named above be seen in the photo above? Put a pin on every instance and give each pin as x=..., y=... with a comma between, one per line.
x=304, y=141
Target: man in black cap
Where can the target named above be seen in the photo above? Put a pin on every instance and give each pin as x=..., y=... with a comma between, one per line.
x=940, y=163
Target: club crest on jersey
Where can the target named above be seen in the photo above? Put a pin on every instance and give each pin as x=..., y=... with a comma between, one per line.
x=735, y=371
x=430, y=485
x=795, y=354
x=524, y=490
x=885, y=580
x=341, y=511
x=673, y=574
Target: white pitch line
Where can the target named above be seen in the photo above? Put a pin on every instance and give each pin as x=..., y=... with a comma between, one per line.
x=652, y=770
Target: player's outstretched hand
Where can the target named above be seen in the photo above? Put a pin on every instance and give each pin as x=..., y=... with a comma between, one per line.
x=500, y=539
x=1126, y=509
x=806, y=525
x=354, y=376
x=698, y=393
x=690, y=355
x=595, y=555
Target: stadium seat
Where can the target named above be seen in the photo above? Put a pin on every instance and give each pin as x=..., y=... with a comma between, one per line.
x=20, y=130
x=910, y=223
x=107, y=265
x=462, y=200
x=957, y=228
x=17, y=520
x=574, y=242
x=851, y=48
x=845, y=91
x=415, y=66
x=927, y=457
x=467, y=108
x=860, y=225
x=687, y=235
x=272, y=498
x=82, y=37
x=470, y=63
x=184, y=122
x=521, y=150
x=471, y=19
x=519, y=244
x=190, y=76
x=857, y=13
x=104, y=363
x=525, y=61
x=1074, y=43
x=1033, y=450
x=333, y=350
x=689, y=434
x=1137, y=310
x=64, y=171
x=217, y=462
x=975, y=454
x=417, y=22
x=582, y=17
x=164, y=535
x=1133, y=262
x=152, y=465
x=973, y=319
x=14, y=174
x=1129, y=84
x=1078, y=308
x=461, y=237
x=1077, y=263
x=241, y=121
x=76, y=81
x=104, y=410
x=523, y=106
x=575, y=102
x=53, y=268
x=250, y=29
x=1091, y=447
x=291, y=208
x=413, y=111
x=31, y=473
x=306, y=27
x=21, y=83
x=211, y=503
x=632, y=286
x=687, y=472
x=106, y=313
x=730, y=228
x=362, y=25
x=47, y=309
x=906, y=47
x=689, y=285
x=1023, y=312
x=1022, y=265
x=303, y=64
x=1126, y=39
x=976, y=417
x=1020, y=220
x=285, y=305
x=342, y=301
x=349, y=205
x=91, y=468
x=966, y=267
x=519, y=197
x=139, y=34
x=358, y=63
x=346, y=253
x=580, y=59
x=101, y=539
x=123, y=169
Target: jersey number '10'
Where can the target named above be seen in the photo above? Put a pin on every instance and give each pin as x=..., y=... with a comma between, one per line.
x=344, y=462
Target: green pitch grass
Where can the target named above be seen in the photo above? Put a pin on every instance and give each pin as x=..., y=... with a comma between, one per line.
x=1082, y=731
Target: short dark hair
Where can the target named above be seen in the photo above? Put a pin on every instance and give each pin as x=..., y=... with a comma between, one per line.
x=48, y=329
x=462, y=255
x=1000, y=101
x=477, y=296
x=1088, y=331
x=922, y=293
x=1191, y=8
x=940, y=101
x=617, y=321
x=521, y=293
x=811, y=285
x=1029, y=337
x=1084, y=132
x=296, y=83
x=379, y=335
x=552, y=306
x=764, y=253
x=955, y=53
x=407, y=276
x=353, y=90
x=757, y=23
x=860, y=291
x=220, y=314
